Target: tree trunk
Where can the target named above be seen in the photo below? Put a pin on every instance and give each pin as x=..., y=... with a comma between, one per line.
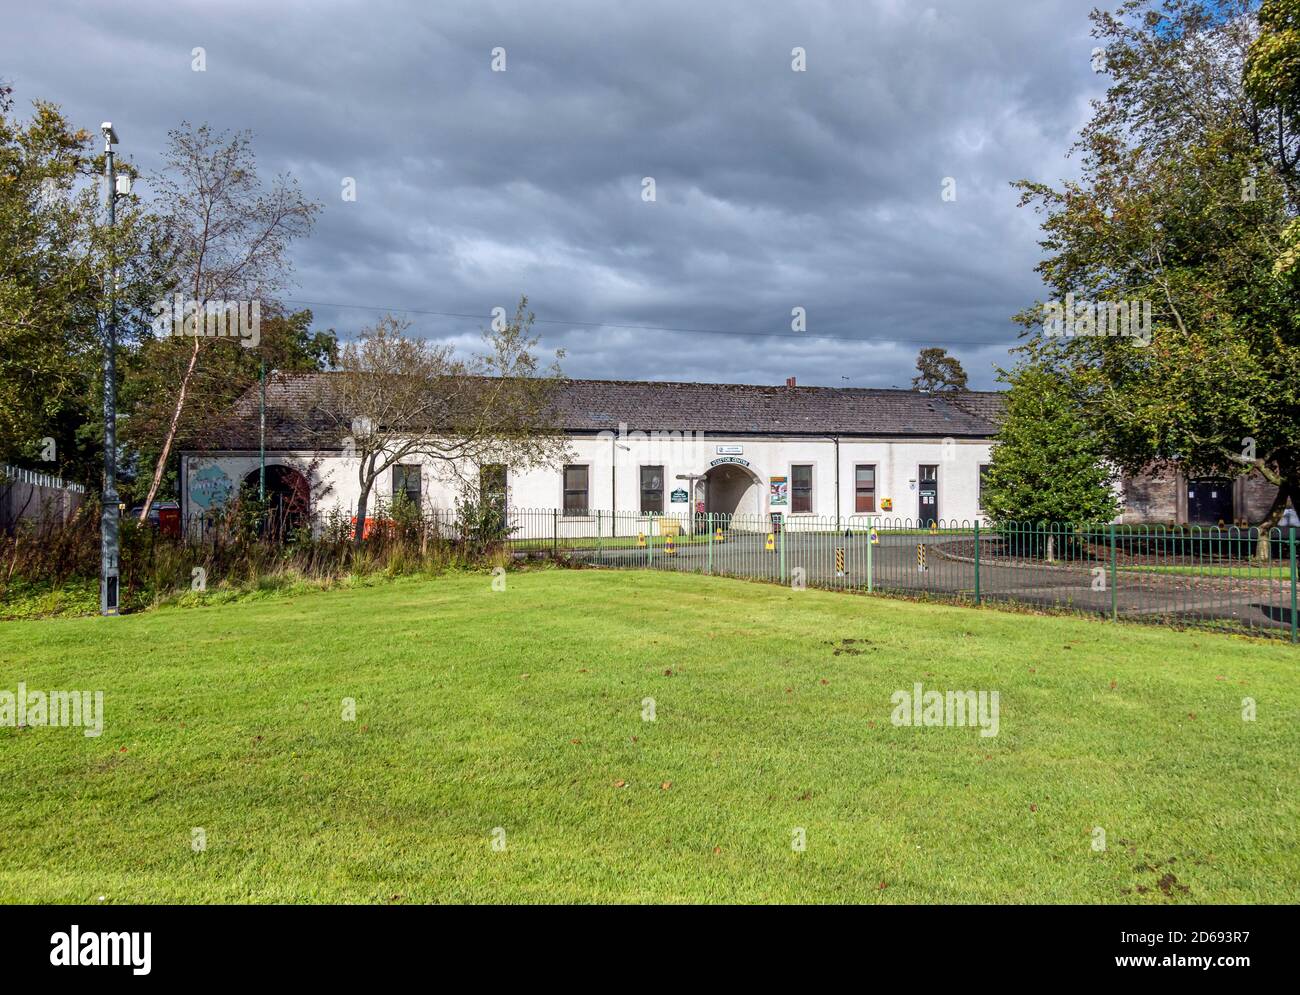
x=359, y=528
x=161, y=466
x=366, y=473
x=1286, y=489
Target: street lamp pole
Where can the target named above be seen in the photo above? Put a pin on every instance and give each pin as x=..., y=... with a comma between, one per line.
x=109, y=520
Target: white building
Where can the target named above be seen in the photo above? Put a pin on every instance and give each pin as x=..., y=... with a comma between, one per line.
x=809, y=454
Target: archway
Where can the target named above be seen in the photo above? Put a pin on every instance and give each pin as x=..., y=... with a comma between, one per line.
x=732, y=490
x=288, y=499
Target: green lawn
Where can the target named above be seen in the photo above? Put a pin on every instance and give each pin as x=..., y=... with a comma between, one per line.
x=1209, y=569
x=523, y=710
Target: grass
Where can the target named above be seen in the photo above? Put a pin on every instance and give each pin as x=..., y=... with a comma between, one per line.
x=523, y=710
x=1242, y=571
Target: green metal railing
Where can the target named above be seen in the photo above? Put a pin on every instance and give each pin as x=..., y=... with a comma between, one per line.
x=1221, y=578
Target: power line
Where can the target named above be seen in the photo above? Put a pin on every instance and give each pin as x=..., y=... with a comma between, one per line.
x=660, y=328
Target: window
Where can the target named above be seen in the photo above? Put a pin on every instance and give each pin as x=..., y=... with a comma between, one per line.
x=652, y=490
x=801, y=488
x=864, y=488
x=984, y=475
x=406, y=481
x=492, y=485
x=575, y=489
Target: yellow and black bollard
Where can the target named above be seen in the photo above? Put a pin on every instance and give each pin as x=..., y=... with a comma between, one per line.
x=920, y=557
x=839, y=561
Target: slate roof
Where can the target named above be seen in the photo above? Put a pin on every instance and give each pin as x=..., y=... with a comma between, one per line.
x=588, y=406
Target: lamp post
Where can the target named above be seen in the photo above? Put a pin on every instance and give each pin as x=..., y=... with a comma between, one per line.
x=110, y=517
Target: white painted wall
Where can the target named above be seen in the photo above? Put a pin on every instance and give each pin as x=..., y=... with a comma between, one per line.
x=614, y=475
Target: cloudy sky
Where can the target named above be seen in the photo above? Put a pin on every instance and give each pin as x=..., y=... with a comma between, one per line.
x=773, y=189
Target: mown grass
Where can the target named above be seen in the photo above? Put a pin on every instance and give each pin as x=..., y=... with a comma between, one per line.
x=523, y=710
x=1243, y=571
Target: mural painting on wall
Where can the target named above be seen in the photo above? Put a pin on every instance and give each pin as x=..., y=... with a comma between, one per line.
x=210, y=487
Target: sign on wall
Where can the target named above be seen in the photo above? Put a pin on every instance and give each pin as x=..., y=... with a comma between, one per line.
x=210, y=487
x=779, y=490
x=679, y=496
x=729, y=459
x=730, y=450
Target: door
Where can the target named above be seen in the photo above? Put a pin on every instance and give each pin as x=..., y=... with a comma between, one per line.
x=928, y=495
x=1209, y=501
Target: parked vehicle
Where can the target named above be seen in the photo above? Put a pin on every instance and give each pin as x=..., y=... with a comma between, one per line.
x=165, y=516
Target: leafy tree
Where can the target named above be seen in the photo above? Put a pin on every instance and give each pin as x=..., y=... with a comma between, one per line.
x=1273, y=66
x=54, y=257
x=1185, y=204
x=1047, y=465
x=937, y=371
x=398, y=399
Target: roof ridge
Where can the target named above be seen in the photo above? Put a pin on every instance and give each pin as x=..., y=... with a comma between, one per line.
x=712, y=385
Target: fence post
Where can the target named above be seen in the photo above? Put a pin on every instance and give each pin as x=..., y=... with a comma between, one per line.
x=1291, y=543
x=784, y=523
x=1114, y=593
x=977, y=561
x=709, y=522
x=871, y=555
x=598, y=537
x=555, y=531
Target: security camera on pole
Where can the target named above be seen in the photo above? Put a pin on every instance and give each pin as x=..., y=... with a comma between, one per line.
x=109, y=514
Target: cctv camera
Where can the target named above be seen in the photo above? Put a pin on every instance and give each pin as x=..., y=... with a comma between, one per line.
x=109, y=134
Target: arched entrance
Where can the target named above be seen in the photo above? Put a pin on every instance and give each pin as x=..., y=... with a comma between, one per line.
x=288, y=499
x=732, y=489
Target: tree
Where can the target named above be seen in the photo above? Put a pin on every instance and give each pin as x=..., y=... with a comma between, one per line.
x=937, y=371
x=287, y=344
x=1272, y=76
x=230, y=238
x=1185, y=205
x=399, y=399
x=54, y=258
x=1047, y=465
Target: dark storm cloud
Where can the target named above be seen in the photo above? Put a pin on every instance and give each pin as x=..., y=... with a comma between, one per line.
x=775, y=189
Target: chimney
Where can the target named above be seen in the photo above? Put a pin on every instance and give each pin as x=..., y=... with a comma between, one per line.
x=789, y=381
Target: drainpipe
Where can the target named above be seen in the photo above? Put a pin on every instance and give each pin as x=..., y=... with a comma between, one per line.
x=836, y=439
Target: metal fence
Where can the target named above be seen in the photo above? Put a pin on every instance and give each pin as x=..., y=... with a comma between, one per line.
x=1188, y=576
x=1183, y=576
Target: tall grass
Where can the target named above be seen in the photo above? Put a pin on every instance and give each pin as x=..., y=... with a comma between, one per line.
x=56, y=564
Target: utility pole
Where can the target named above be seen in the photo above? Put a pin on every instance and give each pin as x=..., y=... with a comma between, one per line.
x=109, y=516
x=261, y=436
